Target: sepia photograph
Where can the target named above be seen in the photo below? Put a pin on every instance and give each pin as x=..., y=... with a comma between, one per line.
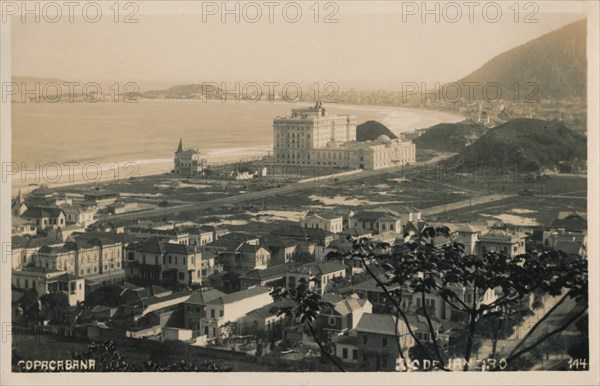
x=299, y=192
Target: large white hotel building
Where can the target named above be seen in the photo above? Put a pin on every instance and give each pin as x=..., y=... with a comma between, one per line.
x=310, y=136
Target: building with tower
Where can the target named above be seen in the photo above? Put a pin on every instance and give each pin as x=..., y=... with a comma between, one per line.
x=188, y=162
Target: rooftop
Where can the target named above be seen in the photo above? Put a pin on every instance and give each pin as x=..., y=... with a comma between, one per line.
x=241, y=295
x=204, y=297
x=382, y=324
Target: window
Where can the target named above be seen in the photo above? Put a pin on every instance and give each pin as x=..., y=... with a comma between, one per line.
x=354, y=354
x=345, y=353
x=181, y=275
x=221, y=313
x=468, y=298
x=212, y=313
x=331, y=321
x=383, y=362
x=365, y=339
x=384, y=342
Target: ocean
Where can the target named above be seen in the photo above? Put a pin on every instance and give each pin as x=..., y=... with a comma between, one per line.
x=107, y=135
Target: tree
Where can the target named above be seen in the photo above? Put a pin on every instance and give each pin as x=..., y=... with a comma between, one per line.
x=422, y=266
x=306, y=308
x=55, y=307
x=497, y=325
x=109, y=296
x=580, y=349
x=30, y=304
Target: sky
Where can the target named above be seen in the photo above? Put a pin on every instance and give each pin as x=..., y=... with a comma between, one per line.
x=375, y=45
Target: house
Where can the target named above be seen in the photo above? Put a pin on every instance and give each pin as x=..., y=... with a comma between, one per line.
x=264, y=318
x=98, y=260
x=103, y=313
x=164, y=302
x=467, y=235
x=346, y=348
x=100, y=198
x=18, y=205
x=378, y=336
x=175, y=235
x=311, y=242
x=332, y=224
x=355, y=233
x=188, y=162
x=45, y=218
x=113, y=226
x=232, y=307
x=22, y=227
x=498, y=240
x=376, y=220
x=247, y=256
x=282, y=248
x=341, y=314
x=47, y=280
x=239, y=252
x=369, y=290
x=318, y=236
x=323, y=273
x=195, y=308
x=568, y=233
x=200, y=235
x=250, y=256
x=269, y=277
x=155, y=260
x=570, y=222
x=81, y=215
x=384, y=219
x=57, y=256
x=46, y=198
x=22, y=252
x=123, y=207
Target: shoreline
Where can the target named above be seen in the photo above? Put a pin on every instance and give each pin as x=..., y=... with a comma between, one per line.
x=397, y=119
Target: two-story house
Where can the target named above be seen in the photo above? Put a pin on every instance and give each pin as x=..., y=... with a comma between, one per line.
x=47, y=280
x=231, y=307
x=377, y=337
x=155, y=260
x=342, y=313
x=45, y=218
x=324, y=273
x=498, y=240
x=195, y=308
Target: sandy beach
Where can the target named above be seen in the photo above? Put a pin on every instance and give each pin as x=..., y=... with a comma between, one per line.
x=125, y=159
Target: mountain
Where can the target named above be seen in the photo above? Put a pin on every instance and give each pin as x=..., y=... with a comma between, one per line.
x=371, y=130
x=523, y=142
x=450, y=137
x=556, y=62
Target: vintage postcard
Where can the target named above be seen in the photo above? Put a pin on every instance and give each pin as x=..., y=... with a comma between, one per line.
x=299, y=192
